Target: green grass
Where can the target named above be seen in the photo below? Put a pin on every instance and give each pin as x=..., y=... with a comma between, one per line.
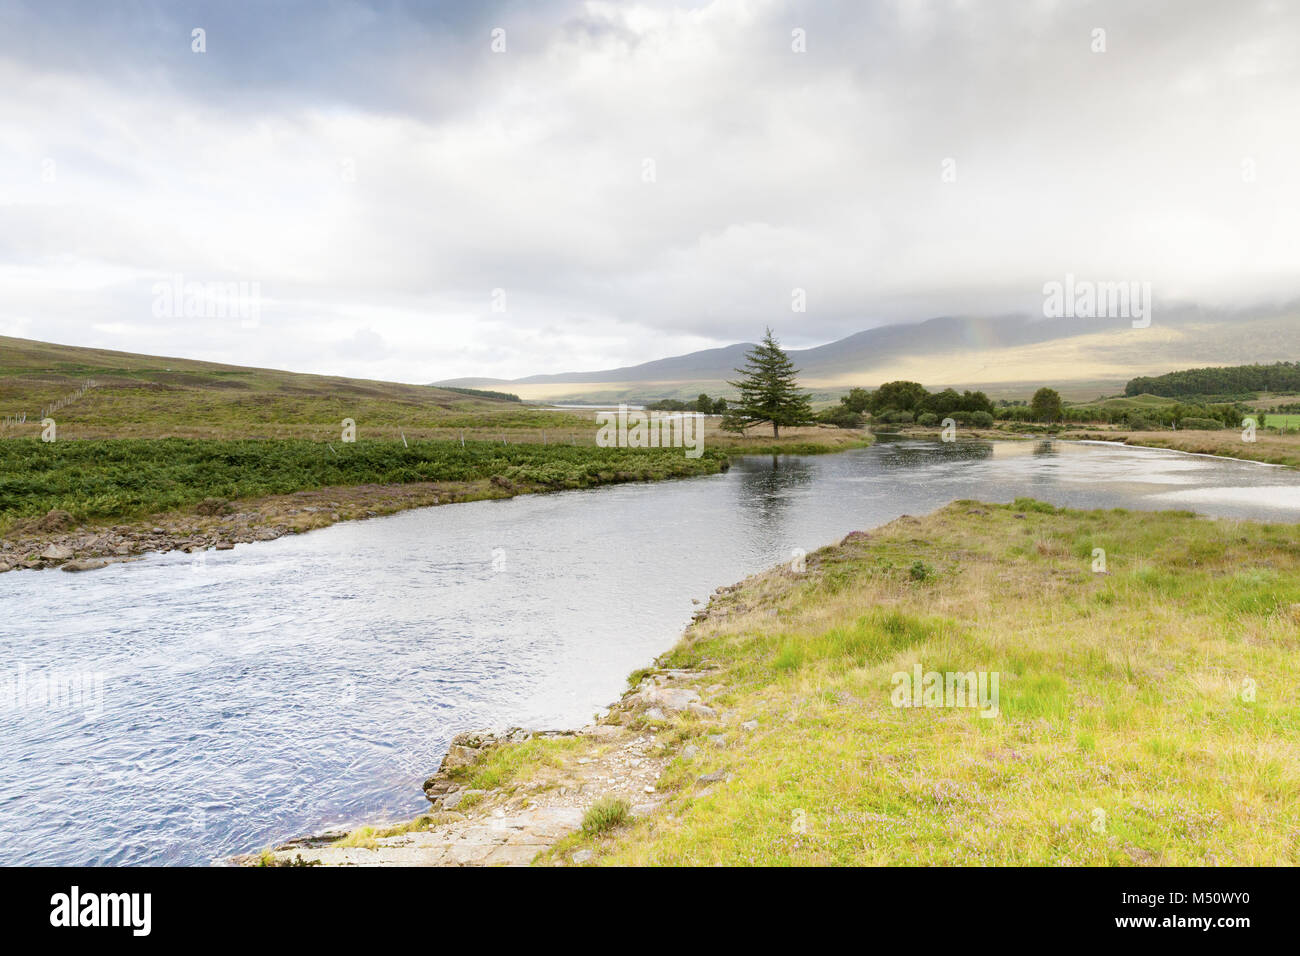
x=119, y=479
x=604, y=815
x=1145, y=715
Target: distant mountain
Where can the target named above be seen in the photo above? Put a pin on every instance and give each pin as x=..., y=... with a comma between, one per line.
x=1006, y=355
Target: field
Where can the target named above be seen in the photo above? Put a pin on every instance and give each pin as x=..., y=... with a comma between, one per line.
x=1143, y=712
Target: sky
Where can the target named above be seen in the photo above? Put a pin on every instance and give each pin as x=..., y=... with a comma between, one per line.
x=421, y=191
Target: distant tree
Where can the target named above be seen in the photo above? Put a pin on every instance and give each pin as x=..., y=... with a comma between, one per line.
x=899, y=396
x=858, y=400
x=769, y=391
x=704, y=403
x=1046, y=405
x=720, y=406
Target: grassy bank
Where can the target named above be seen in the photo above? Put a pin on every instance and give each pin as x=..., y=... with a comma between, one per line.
x=1145, y=714
x=1270, y=448
x=126, y=479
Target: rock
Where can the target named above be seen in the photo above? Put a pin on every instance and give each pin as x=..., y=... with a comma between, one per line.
x=56, y=552
x=701, y=710
x=654, y=713
x=224, y=545
x=457, y=757
x=718, y=740
x=689, y=751
x=749, y=725
x=84, y=564
x=669, y=699
x=582, y=856
x=718, y=776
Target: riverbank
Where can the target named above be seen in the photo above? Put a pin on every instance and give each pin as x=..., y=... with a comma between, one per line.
x=80, y=505
x=1141, y=713
x=83, y=504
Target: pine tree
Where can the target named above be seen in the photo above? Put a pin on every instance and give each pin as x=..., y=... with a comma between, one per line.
x=768, y=390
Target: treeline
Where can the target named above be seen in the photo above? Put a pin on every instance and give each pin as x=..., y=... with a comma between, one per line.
x=481, y=393
x=1233, y=382
x=901, y=403
x=702, y=404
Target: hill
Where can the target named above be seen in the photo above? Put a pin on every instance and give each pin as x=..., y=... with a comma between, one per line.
x=99, y=393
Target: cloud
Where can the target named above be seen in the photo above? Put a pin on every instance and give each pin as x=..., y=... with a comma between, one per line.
x=638, y=179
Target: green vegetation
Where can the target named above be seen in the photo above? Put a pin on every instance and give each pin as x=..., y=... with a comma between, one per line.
x=1145, y=714
x=702, y=404
x=1236, y=382
x=117, y=479
x=769, y=391
x=1046, y=405
x=482, y=393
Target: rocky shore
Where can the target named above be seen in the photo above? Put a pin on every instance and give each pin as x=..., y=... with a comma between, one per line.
x=517, y=797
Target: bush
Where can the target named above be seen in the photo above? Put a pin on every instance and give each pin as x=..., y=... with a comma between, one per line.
x=841, y=416
x=1201, y=424
x=928, y=419
x=894, y=417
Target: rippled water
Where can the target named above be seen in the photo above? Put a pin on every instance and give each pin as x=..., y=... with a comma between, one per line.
x=278, y=688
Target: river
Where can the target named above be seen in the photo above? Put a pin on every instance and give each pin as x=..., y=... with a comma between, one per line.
x=223, y=702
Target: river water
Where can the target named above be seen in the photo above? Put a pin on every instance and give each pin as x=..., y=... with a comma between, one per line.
x=218, y=704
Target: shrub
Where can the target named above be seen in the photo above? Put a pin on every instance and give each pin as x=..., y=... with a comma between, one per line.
x=1201, y=424
x=928, y=419
x=840, y=416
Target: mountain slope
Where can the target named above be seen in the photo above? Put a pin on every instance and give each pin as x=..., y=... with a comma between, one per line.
x=1008, y=355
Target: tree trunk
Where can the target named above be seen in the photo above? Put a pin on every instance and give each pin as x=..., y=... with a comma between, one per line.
x=776, y=430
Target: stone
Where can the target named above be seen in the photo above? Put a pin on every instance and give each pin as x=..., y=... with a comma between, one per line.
x=458, y=756
x=583, y=856
x=749, y=725
x=718, y=776
x=689, y=751
x=669, y=699
x=84, y=564
x=701, y=710
x=718, y=740
x=57, y=552
x=654, y=713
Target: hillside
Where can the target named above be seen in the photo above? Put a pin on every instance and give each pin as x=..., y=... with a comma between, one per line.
x=1007, y=356
x=147, y=396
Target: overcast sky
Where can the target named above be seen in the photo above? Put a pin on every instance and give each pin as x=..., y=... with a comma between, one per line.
x=639, y=179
